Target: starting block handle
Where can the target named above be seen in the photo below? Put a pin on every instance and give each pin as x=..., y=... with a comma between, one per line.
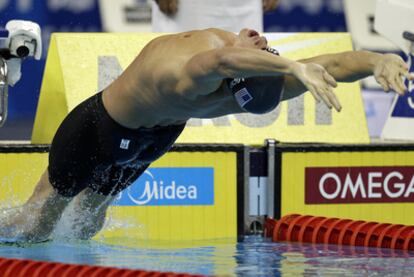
x=3, y=91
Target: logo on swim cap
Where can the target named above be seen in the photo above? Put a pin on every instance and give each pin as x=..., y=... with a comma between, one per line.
x=170, y=186
x=235, y=82
x=272, y=50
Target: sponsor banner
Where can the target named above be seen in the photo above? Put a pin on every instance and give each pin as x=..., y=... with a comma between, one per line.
x=182, y=196
x=190, y=196
x=359, y=184
x=101, y=58
x=170, y=186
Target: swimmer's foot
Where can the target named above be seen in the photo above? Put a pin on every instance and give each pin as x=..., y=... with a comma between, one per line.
x=17, y=235
x=9, y=225
x=23, y=224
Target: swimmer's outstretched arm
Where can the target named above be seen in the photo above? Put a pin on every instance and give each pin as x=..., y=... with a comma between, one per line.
x=388, y=70
x=234, y=62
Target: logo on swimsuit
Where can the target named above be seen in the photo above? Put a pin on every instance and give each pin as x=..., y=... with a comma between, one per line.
x=124, y=144
x=170, y=186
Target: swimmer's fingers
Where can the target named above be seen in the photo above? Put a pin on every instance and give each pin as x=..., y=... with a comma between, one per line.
x=315, y=94
x=320, y=83
x=323, y=94
x=326, y=95
x=334, y=100
x=395, y=82
x=400, y=83
x=383, y=83
x=397, y=69
x=330, y=80
x=328, y=90
x=404, y=73
x=330, y=99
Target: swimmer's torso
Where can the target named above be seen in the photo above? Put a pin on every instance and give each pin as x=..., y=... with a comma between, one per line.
x=154, y=89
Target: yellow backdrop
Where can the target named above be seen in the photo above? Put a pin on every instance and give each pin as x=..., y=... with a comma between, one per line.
x=19, y=172
x=79, y=64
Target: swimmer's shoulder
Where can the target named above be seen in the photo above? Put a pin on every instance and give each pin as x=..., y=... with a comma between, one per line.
x=165, y=56
x=210, y=34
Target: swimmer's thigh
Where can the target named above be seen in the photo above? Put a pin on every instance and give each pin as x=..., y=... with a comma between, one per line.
x=73, y=153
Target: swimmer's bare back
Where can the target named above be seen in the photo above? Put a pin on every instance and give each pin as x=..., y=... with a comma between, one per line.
x=156, y=84
x=176, y=77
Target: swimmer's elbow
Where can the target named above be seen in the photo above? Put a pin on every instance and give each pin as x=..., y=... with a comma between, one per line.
x=211, y=65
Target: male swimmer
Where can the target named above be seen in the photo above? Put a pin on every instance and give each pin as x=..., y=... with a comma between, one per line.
x=108, y=141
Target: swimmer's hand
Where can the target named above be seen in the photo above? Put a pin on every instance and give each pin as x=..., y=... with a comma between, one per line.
x=389, y=71
x=319, y=82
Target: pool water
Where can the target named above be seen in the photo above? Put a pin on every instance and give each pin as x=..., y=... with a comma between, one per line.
x=254, y=256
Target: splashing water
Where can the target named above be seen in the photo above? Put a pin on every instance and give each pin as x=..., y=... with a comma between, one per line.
x=71, y=225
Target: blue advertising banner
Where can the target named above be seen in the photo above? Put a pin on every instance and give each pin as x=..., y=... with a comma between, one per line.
x=52, y=16
x=173, y=186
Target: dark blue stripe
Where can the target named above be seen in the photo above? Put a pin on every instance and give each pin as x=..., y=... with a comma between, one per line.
x=4, y=33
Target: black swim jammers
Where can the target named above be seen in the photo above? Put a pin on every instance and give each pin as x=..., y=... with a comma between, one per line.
x=92, y=150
